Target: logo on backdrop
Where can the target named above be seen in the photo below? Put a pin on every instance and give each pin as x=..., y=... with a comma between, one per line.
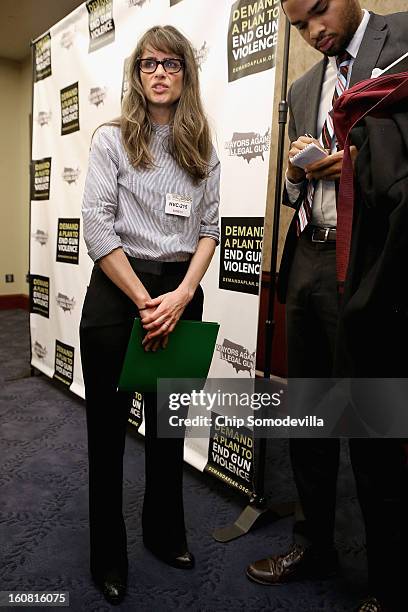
x=70, y=175
x=67, y=39
x=69, y=109
x=67, y=304
x=100, y=23
x=40, y=295
x=40, y=236
x=252, y=37
x=97, y=95
x=42, y=57
x=237, y=355
x=230, y=455
x=39, y=350
x=68, y=241
x=201, y=54
x=43, y=118
x=136, y=410
x=249, y=145
x=40, y=178
x=139, y=3
x=241, y=254
x=64, y=362
x=125, y=79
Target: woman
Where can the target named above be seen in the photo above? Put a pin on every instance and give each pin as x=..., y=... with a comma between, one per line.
x=149, y=261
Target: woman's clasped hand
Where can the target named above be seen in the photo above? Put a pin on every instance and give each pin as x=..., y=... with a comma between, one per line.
x=160, y=316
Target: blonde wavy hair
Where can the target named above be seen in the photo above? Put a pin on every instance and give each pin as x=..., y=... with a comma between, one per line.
x=189, y=140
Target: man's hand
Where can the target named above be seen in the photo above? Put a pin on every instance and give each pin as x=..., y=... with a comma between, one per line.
x=295, y=174
x=329, y=168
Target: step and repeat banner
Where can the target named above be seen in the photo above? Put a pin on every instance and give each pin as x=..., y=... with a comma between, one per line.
x=79, y=74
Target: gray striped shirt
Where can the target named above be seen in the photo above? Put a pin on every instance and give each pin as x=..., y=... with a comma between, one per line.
x=125, y=207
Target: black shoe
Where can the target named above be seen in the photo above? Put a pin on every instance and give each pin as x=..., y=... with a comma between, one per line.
x=297, y=564
x=112, y=585
x=372, y=604
x=184, y=560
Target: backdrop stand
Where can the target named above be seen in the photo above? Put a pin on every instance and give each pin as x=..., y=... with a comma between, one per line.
x=257, y=511
x=32, y=369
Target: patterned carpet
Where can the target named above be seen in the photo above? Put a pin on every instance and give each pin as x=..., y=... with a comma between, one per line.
x=43, y=512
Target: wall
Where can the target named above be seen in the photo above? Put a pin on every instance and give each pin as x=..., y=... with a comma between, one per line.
x=25, y=158
x=15, y=106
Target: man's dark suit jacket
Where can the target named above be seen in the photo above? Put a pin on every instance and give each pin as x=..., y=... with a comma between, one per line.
x=372, y=339
x=384, y=41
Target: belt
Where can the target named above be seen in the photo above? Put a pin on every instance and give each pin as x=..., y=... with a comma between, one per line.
x=158, y=268
x=321, y=234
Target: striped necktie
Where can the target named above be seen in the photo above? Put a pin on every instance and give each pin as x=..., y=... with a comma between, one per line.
x=326, y=139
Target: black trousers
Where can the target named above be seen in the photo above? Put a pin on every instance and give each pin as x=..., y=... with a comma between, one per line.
x=379, y=465
x=106, y=323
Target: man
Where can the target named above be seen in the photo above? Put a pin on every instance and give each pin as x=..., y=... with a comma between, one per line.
x=353, y=43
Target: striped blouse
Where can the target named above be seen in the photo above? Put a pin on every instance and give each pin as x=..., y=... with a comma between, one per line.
x=125, y=207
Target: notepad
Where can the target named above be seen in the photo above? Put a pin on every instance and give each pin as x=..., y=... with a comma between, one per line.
x=188, y=355
x=310, y=154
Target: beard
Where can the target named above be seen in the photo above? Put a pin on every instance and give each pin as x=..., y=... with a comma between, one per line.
x=350, y=19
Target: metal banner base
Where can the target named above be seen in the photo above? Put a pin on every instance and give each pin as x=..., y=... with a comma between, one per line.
x=256, y=513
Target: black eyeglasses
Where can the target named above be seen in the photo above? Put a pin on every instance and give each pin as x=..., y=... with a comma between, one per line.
x=171, y=65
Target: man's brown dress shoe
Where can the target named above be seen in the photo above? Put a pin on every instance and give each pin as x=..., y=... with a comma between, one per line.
x=297, y=564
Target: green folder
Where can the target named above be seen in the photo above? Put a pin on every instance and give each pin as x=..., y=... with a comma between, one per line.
x=187, y=355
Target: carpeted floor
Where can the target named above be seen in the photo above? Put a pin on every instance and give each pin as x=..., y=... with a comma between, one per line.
x=43, y=512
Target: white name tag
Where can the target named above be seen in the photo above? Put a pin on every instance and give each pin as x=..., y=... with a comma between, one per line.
x=177, y=204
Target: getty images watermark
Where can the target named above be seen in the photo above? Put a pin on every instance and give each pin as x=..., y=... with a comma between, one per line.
x=200, y=406
x=220, y=403
x=305, y=408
